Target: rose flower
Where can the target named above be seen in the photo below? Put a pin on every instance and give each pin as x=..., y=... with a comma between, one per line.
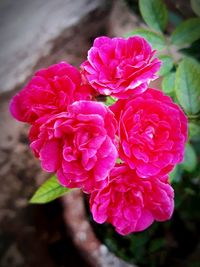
x=152, y=132
x=120, y=67
x=50, y=91
x=131, y=203
x=79, y=145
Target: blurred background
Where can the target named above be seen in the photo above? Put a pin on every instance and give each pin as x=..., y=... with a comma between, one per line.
x=33, y=35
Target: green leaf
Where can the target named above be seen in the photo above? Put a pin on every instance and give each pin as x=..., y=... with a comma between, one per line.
x=155, y=39
x=118, y=161
x=176, y=174
x=195, y=4
x=187, y=85
x=190, y=160
x=174, y=18
x=167, y=64
x=187, y=32
x=49, y=191
x=154, y=13
x=192, y=51
x=189, y=191
x=110, y=100
x=168, y=83
x=156, y=244
x=194, y=131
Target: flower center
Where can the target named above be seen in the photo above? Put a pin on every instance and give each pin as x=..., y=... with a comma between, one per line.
x=149, y=132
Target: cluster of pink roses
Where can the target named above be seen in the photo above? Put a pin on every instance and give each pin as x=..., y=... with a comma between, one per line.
x=82, y=139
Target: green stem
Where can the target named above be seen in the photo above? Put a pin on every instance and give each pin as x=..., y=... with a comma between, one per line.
x=168, y=46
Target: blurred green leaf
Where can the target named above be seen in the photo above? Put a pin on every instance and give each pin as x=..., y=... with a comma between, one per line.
x=168, y=83
x=194, y=117
x=111, y=244
x=189, y=191
x=154, y=13
x=118, y=161
x=187, y=85
x=167, y=64
x=156, y=244
x=190, y=159
x=195, y=4
x=155, y=39
x=139, y=240
x=194, y=130
x=175, y=18
x=110, y=100
x=193, y=50
x=48, y=191
x=175, y=175
x=187, y=32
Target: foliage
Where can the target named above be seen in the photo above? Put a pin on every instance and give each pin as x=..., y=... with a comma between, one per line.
x=154, y=13
x=187, y=32
x=167, y=64
x=168, y=83
x=187, y=85
x=195, y=4
x=48, y=191
x=181, y=74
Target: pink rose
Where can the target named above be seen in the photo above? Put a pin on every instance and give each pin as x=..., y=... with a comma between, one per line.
x=50, y=91
x=120, y=67
x=152, y=132
x=131, y=203
x=78, y=145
